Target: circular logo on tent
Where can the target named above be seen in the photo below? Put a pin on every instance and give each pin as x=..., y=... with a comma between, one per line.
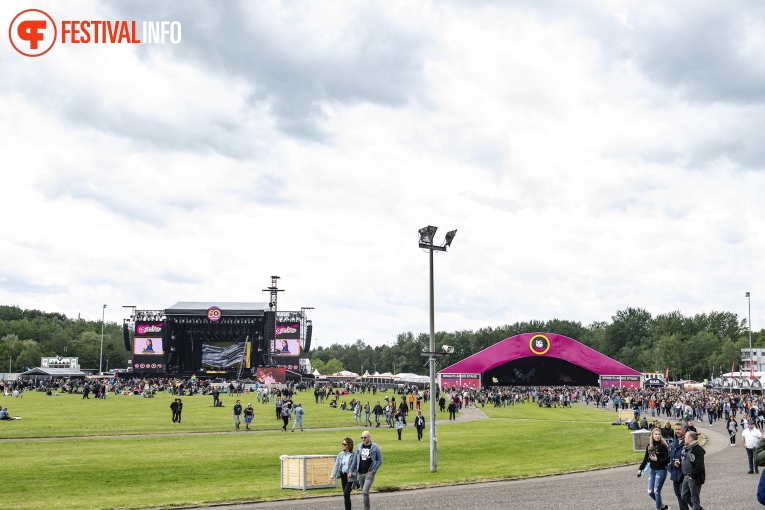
x=539, y=344
x=214, y=313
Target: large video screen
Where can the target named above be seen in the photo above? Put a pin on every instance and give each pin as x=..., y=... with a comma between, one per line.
x=285, y=347
x=271, y=375
x=147, y=346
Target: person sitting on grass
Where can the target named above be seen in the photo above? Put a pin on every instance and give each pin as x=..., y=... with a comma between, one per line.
x=4, y=414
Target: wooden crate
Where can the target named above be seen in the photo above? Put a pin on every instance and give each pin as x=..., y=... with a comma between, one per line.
x=307, y=471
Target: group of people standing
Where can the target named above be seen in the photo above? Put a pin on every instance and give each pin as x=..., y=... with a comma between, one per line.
x=682, y=459
x=285, y=410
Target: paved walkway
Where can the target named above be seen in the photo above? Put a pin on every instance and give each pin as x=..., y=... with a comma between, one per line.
x=728, y=486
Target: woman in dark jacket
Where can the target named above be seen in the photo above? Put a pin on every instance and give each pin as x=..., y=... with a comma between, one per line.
x=668, y=433
x=657, y=456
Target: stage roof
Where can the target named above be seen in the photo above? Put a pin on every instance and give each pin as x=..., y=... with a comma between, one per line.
x=55, y=372
x=228, y=308
x=539, y=345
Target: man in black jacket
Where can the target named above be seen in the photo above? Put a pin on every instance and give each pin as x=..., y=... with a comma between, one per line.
x=694, y=474
x=675, y=468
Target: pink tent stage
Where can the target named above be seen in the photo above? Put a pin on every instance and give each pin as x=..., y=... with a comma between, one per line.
x=543, y=359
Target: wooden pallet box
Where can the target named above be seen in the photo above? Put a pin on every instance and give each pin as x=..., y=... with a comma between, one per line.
x=307, y=471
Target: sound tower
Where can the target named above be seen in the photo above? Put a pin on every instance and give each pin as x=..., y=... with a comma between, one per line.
x=269, y=336
x=126, y=336
x=308, y=332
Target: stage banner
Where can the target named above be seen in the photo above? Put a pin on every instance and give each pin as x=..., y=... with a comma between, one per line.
x=620, y=381
x=287, y=330
x=271, y=375
x=148, y=329
x=460, y=381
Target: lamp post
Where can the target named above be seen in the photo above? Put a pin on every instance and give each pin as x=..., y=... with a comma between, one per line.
x=426, y=242
x=101, y=356
x=751, y=357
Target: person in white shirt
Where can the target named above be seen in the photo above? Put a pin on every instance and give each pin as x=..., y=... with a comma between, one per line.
x=751, y=436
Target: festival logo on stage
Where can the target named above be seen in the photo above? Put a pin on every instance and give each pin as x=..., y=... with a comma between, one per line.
x=287, y=330
x=539, y=344
x=148, y=329
x=214, y=313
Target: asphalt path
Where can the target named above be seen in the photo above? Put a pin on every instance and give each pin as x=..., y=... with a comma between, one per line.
x=728, y=486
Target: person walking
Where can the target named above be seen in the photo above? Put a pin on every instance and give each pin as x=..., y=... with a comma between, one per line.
x=419, y=424
x=249, y=414
x=369, y=461
x=656, y=457
x=694, y=473
x=367, y=414
x=298, y=417
x=675, y=469
x=278, y=406
x=400, y=422
x=237, y=414
x=346, y=464
x=732, y=430
x=452, y=410
x=357, y=412
x=285, y=415
x=378, y=411
x=751, y=437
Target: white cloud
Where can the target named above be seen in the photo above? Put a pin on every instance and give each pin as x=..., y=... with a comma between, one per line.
x=311, y=141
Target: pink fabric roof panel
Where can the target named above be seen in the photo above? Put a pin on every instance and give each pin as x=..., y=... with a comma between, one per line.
x=535, y=345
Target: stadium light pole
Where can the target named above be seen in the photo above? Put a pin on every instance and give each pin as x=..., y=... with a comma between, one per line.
x=426, y=243
x=101, y=356
x=751, y=359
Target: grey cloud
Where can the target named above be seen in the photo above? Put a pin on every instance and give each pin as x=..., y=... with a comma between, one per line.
x=380, y=64
x=703, y=49
x=173, y=277
x=21, y=285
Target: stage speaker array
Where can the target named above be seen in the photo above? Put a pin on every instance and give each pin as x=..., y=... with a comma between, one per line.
x=308, y=332
x=126, y=336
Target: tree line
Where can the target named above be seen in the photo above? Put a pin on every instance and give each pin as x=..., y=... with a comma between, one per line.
x=692, y=347
x=28, y=335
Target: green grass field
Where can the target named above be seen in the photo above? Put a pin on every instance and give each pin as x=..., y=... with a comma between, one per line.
x=124, y=452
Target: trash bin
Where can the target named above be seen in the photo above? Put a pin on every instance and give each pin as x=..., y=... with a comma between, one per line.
x=307, y=471
x=640, y=440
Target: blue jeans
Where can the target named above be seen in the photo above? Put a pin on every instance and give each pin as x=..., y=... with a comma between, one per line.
x=655, y=483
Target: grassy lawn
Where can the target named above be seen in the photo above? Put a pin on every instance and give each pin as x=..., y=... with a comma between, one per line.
x=210, y=463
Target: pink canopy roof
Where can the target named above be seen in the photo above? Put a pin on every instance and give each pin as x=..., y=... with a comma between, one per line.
x=536, y=345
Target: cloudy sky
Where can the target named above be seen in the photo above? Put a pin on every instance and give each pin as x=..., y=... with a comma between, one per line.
x=593, y=156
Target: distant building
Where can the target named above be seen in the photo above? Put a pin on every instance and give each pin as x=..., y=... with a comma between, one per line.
x=758, y=357
x=72, y=363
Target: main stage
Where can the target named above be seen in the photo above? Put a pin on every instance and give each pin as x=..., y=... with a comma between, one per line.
x=217, y=339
